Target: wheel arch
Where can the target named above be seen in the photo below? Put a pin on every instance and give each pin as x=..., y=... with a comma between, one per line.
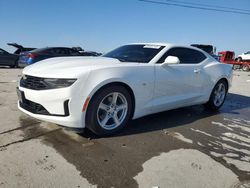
x=117, y=83
x=218, y=80
x=224, y=79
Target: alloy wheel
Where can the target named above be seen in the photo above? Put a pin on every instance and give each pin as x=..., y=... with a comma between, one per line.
x=112, y=110
x=219, y=94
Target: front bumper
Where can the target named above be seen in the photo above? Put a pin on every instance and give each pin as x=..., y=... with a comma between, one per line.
x=58, y=106
x=36, y=108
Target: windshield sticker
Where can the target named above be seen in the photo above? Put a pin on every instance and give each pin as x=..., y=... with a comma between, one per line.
x=152, y=46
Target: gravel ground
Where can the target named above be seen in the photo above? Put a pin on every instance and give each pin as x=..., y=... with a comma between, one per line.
x=187, y=147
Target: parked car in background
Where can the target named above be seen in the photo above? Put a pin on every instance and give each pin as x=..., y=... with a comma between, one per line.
x=28, y=58
x=86, y=53
x=228, y=58
x=8, y=59
x=103, y=93
x=78, y=48
x=210, y=49
x=90, y=53
x=20, y=48
x=244, y=57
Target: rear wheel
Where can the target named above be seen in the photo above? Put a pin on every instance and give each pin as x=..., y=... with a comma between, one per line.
x=235, y=67
x=218, y=95
x=109, y=110
x=15, y=65
x=245, y=68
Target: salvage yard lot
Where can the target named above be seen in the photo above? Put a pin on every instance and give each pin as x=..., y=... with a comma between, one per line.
x=188, y=147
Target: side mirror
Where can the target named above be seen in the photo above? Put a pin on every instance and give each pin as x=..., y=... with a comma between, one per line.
x=171, y=60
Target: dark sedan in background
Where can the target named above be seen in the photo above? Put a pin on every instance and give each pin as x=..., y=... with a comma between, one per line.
x=8, y=59
x=11, y=59
x=86, y=53
x=28, y=58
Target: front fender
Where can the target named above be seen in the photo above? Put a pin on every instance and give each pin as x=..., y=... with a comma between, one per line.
x=140, y=82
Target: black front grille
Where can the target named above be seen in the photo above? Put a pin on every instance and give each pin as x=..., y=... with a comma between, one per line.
x=31, y=82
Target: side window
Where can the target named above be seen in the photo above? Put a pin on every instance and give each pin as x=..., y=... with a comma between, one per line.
x=1, y=51
x=63, y=51
x=60, y=51
x=73, y=52
x=50, y=51
x=186, y=55
x=66, y=51
x=55, y=51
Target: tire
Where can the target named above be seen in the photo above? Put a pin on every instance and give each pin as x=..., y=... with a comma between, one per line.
x=104, y=116
x=235, y=67
x=239, y=59
x=245, y=68
x=15, y=65
x=218, y=95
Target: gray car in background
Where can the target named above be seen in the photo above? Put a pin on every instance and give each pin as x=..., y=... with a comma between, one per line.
x=8, y=59
x=11, y=59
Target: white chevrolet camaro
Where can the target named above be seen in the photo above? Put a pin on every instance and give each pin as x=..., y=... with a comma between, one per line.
x=104, y=93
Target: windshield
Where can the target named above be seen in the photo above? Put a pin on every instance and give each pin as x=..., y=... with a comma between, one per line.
x=135, y=53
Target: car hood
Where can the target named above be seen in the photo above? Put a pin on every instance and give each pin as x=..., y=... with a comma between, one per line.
x=68, y=67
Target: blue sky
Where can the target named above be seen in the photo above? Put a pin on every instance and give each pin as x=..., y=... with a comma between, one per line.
x=102, y=25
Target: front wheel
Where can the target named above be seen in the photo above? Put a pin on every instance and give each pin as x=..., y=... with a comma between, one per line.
x=109, y=110
x=217, y=96
x=239, y=59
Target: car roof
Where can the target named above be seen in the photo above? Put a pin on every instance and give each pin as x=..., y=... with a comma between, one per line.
x=152, y=43
x=49, y=48
x=54, y=47
x=169, y=45
x=3, y=50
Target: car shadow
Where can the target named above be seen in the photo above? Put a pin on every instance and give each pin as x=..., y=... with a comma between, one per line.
x=7, y=67
x=237, y=101
x=179, y=117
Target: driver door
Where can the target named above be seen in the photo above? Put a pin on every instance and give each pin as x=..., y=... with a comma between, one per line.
x=178, y=85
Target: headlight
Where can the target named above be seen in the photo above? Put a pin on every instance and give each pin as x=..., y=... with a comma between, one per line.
x=54, y=83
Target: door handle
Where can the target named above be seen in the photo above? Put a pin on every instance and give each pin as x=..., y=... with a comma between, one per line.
x=197, y=71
